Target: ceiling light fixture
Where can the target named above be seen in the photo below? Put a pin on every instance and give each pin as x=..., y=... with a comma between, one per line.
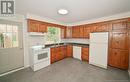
x=63, y=11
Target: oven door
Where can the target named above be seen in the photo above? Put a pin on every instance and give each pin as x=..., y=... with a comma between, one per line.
x=41, y=56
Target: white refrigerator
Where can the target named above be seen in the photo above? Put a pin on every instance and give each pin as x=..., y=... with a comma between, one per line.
x=98, y=54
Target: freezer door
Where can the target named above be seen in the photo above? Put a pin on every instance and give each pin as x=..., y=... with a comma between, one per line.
x=100, y=37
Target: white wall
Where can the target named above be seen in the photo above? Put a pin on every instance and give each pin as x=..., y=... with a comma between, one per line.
x=28, y=42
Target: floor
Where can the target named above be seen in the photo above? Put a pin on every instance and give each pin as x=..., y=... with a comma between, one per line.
x=68, y=70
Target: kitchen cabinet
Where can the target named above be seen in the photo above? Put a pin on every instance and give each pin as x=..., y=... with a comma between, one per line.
x=69, y=50
x=77, y=52
x=85, y=54
x=63, y=32
x=42, y=27
x=36, y=26
x=69, y=32
x=58, y=53
x=75, y=32
x=119, y=58
x=101, y=27
x=81, y=32
x=119, y=24
x=119, y=45
x=53, y=55
x=119, y=39
x=33, y=26
x=86, y=32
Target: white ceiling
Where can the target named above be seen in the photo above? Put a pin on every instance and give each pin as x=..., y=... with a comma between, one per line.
x=79, y=10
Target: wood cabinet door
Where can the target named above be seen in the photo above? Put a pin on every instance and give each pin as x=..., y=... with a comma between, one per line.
x=42, y=28
x=33, y=25
x=69, y=32
x=69, y=51
x=103, y=27
x=81, y=32
x=119, y=40
x=75, y=32
x=120, y=24
x=63, y=32
x=93, y=28
x=53, y=55
x=85, y=54
x=86, y=32
x=119, y=58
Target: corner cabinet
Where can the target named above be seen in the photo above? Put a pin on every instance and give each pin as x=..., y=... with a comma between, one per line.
x=36, y=26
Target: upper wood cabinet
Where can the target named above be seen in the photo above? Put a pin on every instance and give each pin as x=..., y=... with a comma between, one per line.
x=86, y=32
x=100, y=27
x=75, y=32
x=69, y=32
x=119, y=39
x=42, y=27
x=63, y=32
x=33, y=25
x=119, y=24
x=36, y=26
x=81, y=32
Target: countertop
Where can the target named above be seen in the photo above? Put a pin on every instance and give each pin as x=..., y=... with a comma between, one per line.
x=64, y=44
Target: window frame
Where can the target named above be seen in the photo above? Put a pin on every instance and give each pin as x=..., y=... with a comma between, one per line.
x=58, y=35
x=20, y=32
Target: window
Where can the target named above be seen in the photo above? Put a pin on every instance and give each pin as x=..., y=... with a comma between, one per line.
x=8, y=36
x=53, y=35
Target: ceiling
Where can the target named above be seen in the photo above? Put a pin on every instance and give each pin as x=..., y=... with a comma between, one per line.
x=79, y=10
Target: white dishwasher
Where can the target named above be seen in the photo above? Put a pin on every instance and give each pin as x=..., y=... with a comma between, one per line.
x=77, y=52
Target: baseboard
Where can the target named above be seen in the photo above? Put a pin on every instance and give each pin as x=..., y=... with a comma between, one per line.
x=129, y=72
x=12, y=71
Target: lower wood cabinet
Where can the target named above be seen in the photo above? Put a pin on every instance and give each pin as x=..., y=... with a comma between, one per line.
x=53, y=55
x=119, y=58
x=85, y=54
x=69, y=51
x=58, y=53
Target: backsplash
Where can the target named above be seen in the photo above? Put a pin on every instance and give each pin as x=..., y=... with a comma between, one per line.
x=36, y=40
x=83, y=41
